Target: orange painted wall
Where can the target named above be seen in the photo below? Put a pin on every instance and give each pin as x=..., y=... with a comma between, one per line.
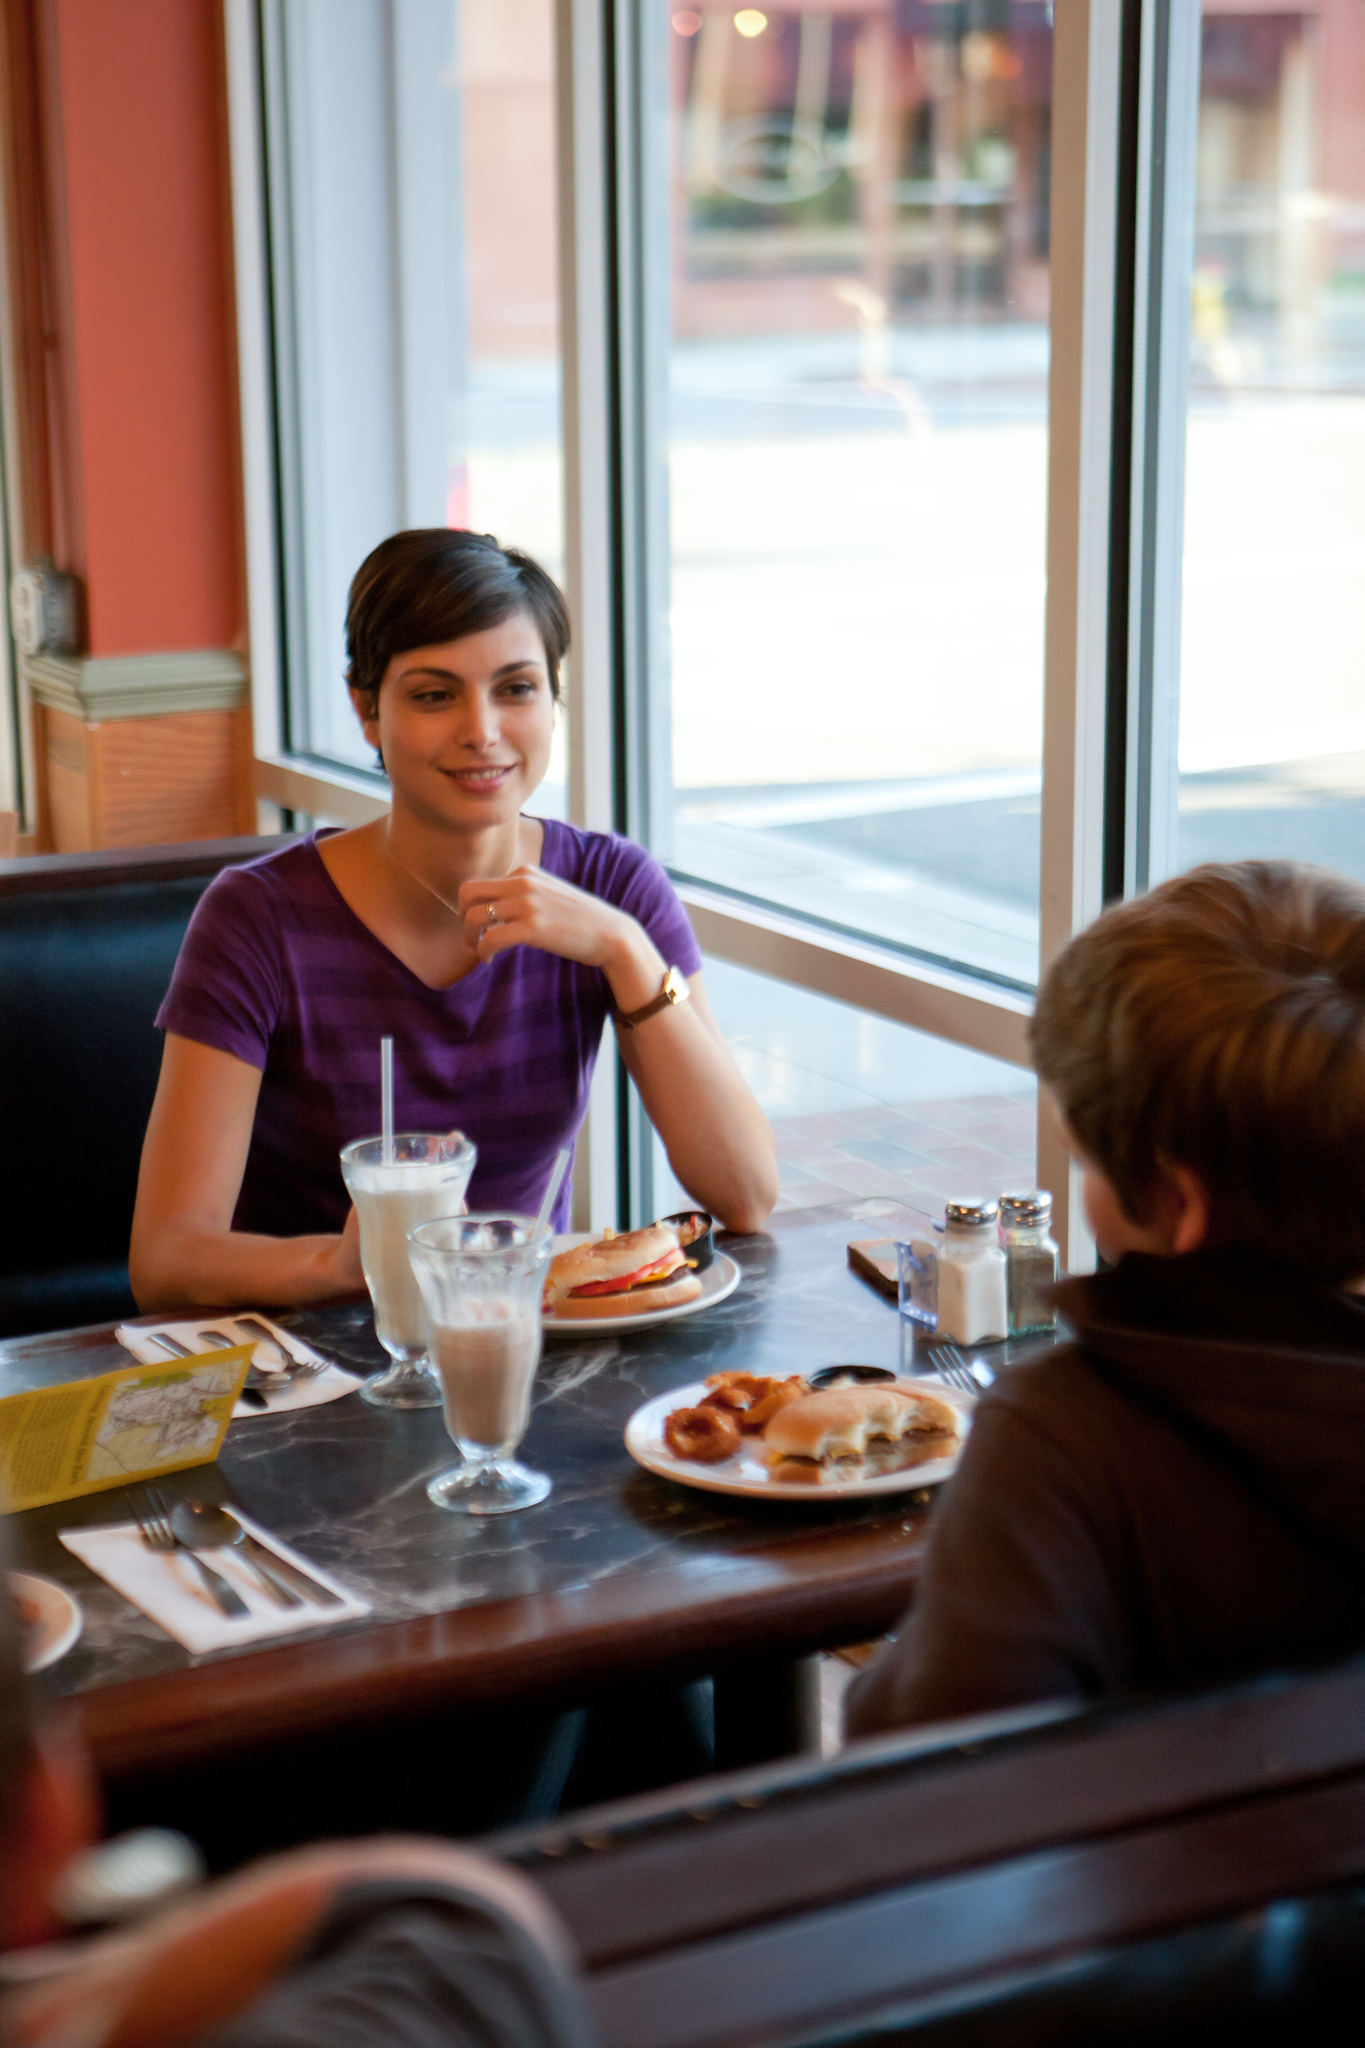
x=144, y=164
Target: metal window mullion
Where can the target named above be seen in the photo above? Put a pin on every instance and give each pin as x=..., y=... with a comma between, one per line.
x=1164, y=263
x=639, y=238
x=584, y=149
x=281, y=315
x=418, y=201
x=256, y=385
x=1087, y=104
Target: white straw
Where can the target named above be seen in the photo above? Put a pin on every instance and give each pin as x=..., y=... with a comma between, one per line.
x=386, y=1096
x=548, y=1199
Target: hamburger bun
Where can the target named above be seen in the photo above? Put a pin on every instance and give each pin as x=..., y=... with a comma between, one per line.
x=842, y=1422
x=616, y=1257
x=635, y=1301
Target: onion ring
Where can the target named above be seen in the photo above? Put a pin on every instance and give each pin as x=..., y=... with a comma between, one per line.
x=704, y=1434
x=780, y=1393
x=738, y=1390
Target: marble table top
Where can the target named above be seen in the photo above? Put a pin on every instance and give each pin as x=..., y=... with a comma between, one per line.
x=346, y=1485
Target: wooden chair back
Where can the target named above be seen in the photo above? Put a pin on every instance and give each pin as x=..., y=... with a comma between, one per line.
x=936, y=1875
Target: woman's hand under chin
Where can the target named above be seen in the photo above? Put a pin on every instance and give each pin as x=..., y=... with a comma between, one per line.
x=716, y=1136
x=531, y=908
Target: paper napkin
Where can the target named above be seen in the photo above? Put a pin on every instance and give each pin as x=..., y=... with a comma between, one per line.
x=269, y=1357
x=166, y=1586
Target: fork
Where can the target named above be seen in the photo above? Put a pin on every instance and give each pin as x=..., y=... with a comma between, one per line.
x=154, y=1527
x=953, y=1369
x=298, y=1368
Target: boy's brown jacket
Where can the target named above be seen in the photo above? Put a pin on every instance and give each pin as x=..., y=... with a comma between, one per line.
x=1176, y=1498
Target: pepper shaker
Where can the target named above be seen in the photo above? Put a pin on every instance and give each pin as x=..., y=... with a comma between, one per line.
x=1031, y=1261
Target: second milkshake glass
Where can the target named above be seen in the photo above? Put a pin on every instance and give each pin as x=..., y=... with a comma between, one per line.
x=481, y=1280
x=426, y=1176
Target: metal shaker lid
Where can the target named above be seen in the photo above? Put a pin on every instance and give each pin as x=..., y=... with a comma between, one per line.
x=1035, y=1206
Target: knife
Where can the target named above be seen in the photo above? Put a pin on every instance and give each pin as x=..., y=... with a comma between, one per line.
x=304, y=1581
x=251, y=1397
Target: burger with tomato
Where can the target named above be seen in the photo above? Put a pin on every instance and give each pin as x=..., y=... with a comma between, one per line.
x=624, y=1275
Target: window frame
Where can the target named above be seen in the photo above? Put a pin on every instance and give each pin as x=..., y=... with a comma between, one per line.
x=615, y=529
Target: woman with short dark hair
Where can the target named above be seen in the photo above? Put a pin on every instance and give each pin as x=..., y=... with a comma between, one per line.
x=491, y=945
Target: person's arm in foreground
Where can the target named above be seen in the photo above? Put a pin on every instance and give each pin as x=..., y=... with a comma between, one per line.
x=202, y=1966
x=1014, y=1604
x=719, y=1142
x=184, y=1251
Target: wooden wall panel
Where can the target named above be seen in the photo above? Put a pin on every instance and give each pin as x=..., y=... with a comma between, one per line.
x=66, y=754
x=160, y=780
x=145, y=781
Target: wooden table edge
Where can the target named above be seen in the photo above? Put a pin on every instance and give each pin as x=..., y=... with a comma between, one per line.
x=553, y=1648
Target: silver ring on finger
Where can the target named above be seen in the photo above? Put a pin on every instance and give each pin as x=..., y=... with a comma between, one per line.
x=493, y=917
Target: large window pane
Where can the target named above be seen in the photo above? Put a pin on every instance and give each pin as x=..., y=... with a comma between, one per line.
x=1272, y=709
x=866, y=1109
x=859, y=292
x=413, y=243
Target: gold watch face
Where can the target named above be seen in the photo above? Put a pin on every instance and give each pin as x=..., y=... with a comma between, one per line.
x=675, y=985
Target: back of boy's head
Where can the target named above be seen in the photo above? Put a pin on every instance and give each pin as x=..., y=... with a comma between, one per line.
x=1218, y=1023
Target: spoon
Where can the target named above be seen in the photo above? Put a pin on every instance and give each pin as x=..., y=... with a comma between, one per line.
x=201, y=1527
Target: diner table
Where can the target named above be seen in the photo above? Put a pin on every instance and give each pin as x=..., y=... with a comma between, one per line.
x=620, y=1576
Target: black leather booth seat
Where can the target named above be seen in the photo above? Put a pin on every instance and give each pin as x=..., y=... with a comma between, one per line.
x=87, y=944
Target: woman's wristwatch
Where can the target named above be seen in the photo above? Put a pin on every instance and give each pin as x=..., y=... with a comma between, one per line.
x=674, y=990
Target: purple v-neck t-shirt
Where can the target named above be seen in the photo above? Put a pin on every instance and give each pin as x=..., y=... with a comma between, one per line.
x=278, y=970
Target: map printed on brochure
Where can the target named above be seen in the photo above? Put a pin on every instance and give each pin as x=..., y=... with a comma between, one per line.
x=80, y=1436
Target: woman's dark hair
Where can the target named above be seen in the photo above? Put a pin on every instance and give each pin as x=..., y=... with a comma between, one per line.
x=437, y=583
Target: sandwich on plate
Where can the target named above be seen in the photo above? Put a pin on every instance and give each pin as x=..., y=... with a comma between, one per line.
x=624, y=1275
x=858, y=1432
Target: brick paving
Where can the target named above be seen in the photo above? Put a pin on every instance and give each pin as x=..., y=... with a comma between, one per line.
x=919, y=1153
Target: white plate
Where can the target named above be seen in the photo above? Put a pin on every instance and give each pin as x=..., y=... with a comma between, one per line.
x=720, y=1279
x=59, y=1620
x=746, y=1472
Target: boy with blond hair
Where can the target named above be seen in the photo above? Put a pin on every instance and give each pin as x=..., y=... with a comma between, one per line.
x=1176, y=1497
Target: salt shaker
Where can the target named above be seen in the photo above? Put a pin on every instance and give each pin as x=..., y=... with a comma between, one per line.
x=1030, y=1261
x=971, y=1275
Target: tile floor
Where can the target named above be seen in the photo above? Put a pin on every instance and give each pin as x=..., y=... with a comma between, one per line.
x=919, y=1153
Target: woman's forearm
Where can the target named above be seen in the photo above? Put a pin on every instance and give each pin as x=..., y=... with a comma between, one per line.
x=181, y=1266
x=722, y=1152
x=184, y=1252
x=718, y=1141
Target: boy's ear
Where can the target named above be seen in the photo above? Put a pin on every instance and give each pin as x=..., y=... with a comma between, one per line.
x=1188, y=1207
x=55, y=1814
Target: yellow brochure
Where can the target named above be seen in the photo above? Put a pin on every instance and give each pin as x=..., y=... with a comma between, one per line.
x=82, y=1435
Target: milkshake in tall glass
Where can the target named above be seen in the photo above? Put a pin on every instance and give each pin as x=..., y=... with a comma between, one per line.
x=426, y=1177
x=481, y=1280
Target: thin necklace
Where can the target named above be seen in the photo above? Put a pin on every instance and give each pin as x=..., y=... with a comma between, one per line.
x=412, y=876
